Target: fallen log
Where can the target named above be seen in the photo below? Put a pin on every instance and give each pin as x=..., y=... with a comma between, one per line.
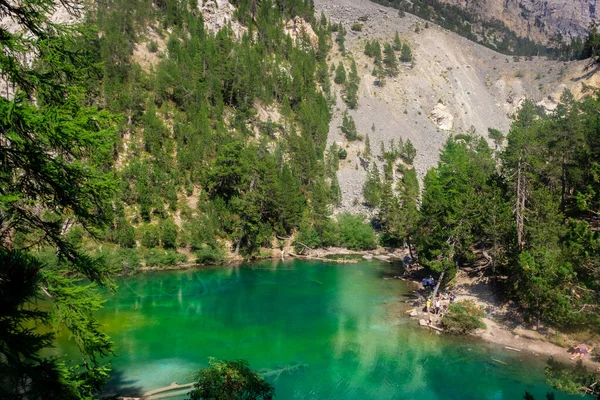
x=512, y=348
x=499, y=362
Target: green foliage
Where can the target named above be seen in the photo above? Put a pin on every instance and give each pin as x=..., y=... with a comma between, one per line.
x=372, y=187
x=168, y=234
x=341, y=39
x=355, y=234
x=150, y=236
x=356, y=27
x=56, y=154
x=348, y=127
x=408, y=152
x=340, y=74
x=463, y=317
x=352, y=83
x=397, y=45
x=390, y=61
x=230, y=380
x=406, y=54
x=575, y=380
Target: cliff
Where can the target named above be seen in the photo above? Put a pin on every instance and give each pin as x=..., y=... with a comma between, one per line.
x=538, y=20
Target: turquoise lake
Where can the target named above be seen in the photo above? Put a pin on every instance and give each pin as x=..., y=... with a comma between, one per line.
x=342, y=324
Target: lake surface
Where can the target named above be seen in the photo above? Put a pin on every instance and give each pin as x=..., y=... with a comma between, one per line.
x=343, y=323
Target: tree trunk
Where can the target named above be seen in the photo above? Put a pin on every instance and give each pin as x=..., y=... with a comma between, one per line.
x=563, y=179
x=410, y=251
x=520, y=202
x=438, y=285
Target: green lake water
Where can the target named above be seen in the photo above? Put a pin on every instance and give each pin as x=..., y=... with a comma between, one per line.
x=344, y=322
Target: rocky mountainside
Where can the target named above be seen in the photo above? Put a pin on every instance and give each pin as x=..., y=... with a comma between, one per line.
x=454, y=86
x=538, y=20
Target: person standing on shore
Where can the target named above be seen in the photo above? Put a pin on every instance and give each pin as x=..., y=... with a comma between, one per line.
x=438, y=305
x=428, y=305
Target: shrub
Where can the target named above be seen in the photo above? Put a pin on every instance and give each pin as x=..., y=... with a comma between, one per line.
x=209, y=255
x=355, y=234
x=356, y=27
x=230, y=380
x=572, y=381
x=160, y=258
x=342, y=154
x=150, y=236
x=152, y=47
x=168, y=234
x=463, y=317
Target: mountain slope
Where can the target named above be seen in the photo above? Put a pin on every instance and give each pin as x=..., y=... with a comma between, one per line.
x=454, y=86
x=536, y=19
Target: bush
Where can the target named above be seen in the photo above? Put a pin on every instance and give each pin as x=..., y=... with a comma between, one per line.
x=463, y=317
x=342, y=154
x=161, y=258
x=150, y=236
x=209, y=255
x=356, y=27
x=355, y=234
x=230, y=380
x=168, y=234
x=152, y=46
x=571, y=381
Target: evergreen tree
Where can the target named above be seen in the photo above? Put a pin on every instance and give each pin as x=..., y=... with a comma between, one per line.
x=390, y=62
x=397, y=45
x=367, y=153
x=55, y=155
x=341, y=39
x=340, y=74
x=352, y=83
x=408, y=152
x=406, y=55
x=348, y=127
x=372, y=187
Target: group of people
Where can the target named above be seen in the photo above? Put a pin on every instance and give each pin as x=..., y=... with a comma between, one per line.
x=428, y=283
x=442, y=302
x=579, y=352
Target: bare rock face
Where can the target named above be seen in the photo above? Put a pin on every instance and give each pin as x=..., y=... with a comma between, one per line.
x=219, y=14
x=297, y=28
x=538, y=20
x=442, y=118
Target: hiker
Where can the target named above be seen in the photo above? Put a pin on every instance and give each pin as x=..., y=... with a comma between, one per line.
x=425, y=283
x=431, y=282
x=428, y=305
x=452, y=297
x=438, y=305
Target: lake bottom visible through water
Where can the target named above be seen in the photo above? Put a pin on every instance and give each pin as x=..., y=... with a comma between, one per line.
x=315, y=330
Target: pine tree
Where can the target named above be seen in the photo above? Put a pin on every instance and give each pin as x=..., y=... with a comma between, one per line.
x=406, y=55
x=348, y=127
x=397, y=43
x=55, y=154
x=340, y=74
x=390, y=62
x=352, y=83
x=341, y=39
x=408, y=152
x=372, y=187
x=367, y=153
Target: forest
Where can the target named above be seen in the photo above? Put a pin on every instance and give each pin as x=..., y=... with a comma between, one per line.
x=525, y=211
x=100, y=158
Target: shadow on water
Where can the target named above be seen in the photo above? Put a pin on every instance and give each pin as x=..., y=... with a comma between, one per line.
x=117, y=385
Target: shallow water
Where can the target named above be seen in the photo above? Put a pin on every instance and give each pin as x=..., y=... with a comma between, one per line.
x=342, y=322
